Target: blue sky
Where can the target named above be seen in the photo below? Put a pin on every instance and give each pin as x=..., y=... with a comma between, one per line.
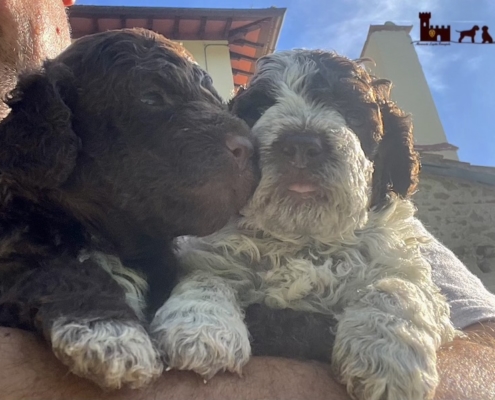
x=461, y=77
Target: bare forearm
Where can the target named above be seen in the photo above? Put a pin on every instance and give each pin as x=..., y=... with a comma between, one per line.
x=467, y=366
x=28, y=370
x=467, y=372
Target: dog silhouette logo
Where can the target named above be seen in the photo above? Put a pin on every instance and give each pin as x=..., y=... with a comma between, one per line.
x=469, y=33
x=485, y=36
x=435, y=34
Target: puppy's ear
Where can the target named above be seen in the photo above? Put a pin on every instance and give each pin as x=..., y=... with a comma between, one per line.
x=249, y=103
x=396, y=162
x=37, y=143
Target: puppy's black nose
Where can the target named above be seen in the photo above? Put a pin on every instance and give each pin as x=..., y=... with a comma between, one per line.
x=241, y=148
x=301, y=150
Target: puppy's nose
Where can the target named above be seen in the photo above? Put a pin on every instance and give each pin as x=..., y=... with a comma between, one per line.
x=241, y=148
x=301, y=150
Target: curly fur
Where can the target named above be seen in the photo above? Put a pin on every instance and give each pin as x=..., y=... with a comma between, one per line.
x=347, y=250
x=132, y=282
x=111, y=353
x=109, y=152
x=189, y=327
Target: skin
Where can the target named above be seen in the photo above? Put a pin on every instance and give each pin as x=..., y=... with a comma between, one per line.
x=28, y=370
x=30, y=31
x=33, y=30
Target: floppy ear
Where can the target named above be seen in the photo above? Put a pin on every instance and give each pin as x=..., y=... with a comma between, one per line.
x=396, y=162
x=37, y=143
x=249, y=104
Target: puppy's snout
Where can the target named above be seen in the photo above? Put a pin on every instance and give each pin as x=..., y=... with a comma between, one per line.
x=241, y=149
x=300, y=150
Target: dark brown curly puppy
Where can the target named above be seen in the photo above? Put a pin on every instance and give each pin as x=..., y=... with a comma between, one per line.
x=469, y=33
x=111, y=151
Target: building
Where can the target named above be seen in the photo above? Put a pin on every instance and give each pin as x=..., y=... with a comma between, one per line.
x=455, y=200
x=225, y=42
x=390, y=47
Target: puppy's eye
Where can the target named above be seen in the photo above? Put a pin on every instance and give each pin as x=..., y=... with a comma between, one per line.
x=152, y=99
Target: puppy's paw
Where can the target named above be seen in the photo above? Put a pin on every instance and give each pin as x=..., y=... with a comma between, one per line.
x=385, y=370
x=113, y=354
x=203, y=343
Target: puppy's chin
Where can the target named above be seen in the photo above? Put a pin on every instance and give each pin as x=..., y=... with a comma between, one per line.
x=288, y=214
x=288, y=209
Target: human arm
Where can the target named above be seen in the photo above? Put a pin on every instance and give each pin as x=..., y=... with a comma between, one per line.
x=467, y=366
x=27, y=39
x=28, y=370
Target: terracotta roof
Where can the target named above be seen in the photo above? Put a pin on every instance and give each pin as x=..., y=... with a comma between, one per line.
x=251, y=33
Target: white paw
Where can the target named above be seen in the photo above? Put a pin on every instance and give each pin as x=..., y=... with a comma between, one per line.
x=110, y=353
x=385, y=368
x=204, y=343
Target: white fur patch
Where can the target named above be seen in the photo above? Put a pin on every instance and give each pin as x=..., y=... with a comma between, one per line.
x=113, y=354
x=201, y=328
x=134, y=285
x=392, y=318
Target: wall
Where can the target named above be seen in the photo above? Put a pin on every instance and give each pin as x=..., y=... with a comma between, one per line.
x=214, y=57
x=461, y=214
x=396, y=59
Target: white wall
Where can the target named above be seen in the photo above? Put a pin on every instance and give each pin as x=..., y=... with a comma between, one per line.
x=214, y=57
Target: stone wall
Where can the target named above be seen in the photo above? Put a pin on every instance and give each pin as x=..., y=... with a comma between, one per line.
x=456, y=202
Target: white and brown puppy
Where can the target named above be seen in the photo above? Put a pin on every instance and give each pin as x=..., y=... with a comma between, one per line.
x=327, y=231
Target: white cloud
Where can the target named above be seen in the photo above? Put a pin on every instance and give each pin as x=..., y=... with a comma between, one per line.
x=348, y=21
